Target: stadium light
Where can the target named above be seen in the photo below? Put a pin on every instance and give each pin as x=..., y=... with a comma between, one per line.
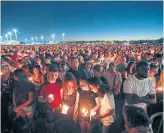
x=53, y=37
x=32, y=38
x=26, y=40
x=63, y=36
x=6, y=35
x=15, y=31
x=1, y=38
x=42, y=38
x=36, y=38
x=9, y=33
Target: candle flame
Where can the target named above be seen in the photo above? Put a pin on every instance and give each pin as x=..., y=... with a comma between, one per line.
x=93, y=113
x=85, y=112
x=160, y=89
x=65, y=107
x=1, y=73
x=50, y=95
x=30, y=78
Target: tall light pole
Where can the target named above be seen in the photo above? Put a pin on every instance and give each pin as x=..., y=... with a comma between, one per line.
x=42, y=38
x=15, y=31
x=10, y=35
x=63, y=37
x=53, y=37
x=36, y=38
x=26, y=40
x=0, y=38
x=32, y=39
x=6, y=35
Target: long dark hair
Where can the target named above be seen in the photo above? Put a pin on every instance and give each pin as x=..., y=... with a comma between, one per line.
x=20, y=73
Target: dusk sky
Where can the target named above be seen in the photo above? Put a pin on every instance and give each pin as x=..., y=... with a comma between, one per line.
x=85, y=20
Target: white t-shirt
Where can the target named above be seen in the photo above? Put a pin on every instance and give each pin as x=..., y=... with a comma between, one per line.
x=107, y=103
x=139, y=87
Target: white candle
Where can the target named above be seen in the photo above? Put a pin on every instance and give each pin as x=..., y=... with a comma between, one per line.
x=65, y=109
x=92, y=114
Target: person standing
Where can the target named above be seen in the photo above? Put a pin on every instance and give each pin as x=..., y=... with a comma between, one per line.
x=113, y=79
x=50, y=94
x=138, y=88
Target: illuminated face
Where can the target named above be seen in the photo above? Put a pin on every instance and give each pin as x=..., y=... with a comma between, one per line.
x=75, y=64
x=84, y=86
x=70, y=85
x=112, y=67
x=36, y=71
x=45, y=69
x=88, y=66
x=95, y=56
x=52, y=76
x=93, y=88
x=153, y=71
x=96, y=73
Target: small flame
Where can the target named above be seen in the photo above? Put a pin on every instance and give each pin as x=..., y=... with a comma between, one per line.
x=1, y=73
x=50, y=95
x=85, y=112
x=30, y=78
x=65, y=107
x=160, y=89
x=93, y=113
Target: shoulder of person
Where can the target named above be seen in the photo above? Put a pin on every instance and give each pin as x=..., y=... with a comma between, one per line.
x=44, y=84
x=150, y=82
x=118, y=73
x=95, y=95
x=130, y=78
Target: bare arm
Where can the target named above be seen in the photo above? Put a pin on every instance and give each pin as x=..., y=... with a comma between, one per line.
x=76, y=104
x=111, y=111
x=42, y=99
x=149, y=98
x=98, y=106
x=129, y=98
x=29, y=101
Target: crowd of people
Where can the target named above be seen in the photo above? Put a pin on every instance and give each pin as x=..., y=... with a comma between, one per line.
x=80, y=88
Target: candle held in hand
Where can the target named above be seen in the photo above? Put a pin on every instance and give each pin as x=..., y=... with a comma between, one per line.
x=1, y=73
x=85, y=112
x=65, y=109
x=50, y=98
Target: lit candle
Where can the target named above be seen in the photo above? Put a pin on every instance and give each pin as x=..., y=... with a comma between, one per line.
x=50, y=98
x=1, y=73
x=160, y=89
x=31, y=79
x=85, y=112
x=92, y=114
x=65, y=109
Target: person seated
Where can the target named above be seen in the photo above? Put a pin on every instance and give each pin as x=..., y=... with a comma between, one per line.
x=136, y=120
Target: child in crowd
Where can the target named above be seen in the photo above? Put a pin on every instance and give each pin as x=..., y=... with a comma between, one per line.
x=107, y=110
x=86, y=102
